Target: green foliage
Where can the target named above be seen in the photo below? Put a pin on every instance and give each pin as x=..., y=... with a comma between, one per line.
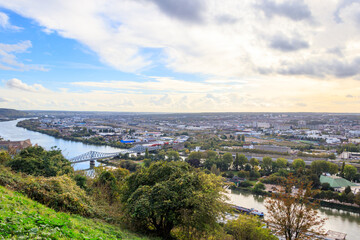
x=245, y=184
x=281, y=162
x=60, y=193
x=259, y=187
x=39, y=162
x=254, y=162
x=172, y=194
x=325, y=186
x=298, y=163
x=273, y=179
x=80, y=181
x=129, y=165
x=248, y=227
x=350, y=147
x=254, y=174
x=173, y=156
x=349, y=172
x=243, y=174
x=320, y=166
x=22, y=218
x=4, y=157
x=227, y=159
x=267, y=164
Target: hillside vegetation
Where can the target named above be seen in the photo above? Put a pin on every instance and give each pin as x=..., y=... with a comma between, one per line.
x=23, y=218
x=6, y=113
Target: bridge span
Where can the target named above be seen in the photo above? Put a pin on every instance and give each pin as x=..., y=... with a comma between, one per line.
x=92, y=156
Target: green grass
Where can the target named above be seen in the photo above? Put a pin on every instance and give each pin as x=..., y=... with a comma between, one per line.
x=23, y=218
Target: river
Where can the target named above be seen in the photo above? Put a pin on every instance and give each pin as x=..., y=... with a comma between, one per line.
x=9, y=131
x=338, y=220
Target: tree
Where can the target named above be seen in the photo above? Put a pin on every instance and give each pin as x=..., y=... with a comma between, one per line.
x=357, y=198
x=281, y=162
x=320, y=166
x=247, y=167
x=267, y=164
x=161, y=155
x=349, y=172
x=172, y=194
x=254, y=162
x=215, y=170
x=242, y=160
x=4, y=157
x=333, y=168
x=298, y=163
x=194, y=159
x=293, y=212
x=236, y=162
x=248, y=227
x=39, y=162
x=147, y=156
x=173, y=156
x=259, y=187
x=347, y=190
x=227, y=161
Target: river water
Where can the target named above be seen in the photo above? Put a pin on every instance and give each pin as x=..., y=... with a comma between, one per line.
x=9, y=131
x=338, y=220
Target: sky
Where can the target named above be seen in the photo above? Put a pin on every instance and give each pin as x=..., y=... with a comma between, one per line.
x=180, y=55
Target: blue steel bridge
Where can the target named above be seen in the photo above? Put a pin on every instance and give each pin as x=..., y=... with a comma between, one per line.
x=92, y=156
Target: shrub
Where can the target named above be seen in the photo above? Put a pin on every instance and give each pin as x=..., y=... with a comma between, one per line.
x=259, y=188
x=39, y=162
x=245, y=184
x=60, y=193
x=248, y=227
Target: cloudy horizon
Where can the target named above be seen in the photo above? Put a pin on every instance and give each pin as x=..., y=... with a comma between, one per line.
x=180, y=56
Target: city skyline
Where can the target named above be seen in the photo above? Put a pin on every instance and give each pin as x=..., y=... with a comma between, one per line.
x=180, y=56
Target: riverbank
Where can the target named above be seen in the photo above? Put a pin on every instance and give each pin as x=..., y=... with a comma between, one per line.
x=33, y=125
x=322, y=202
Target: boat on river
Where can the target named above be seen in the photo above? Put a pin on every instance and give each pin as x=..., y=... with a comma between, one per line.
x=250, y=211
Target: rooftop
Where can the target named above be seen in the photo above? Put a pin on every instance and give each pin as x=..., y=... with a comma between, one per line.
x=335, y=181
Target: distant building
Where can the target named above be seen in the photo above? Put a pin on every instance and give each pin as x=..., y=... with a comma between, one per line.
x=354, y=140
x=350, y=155
x=338, y=183
x=16, y=145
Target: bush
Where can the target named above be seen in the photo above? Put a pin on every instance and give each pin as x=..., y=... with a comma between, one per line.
x=60, y=193
x=243, y=174
x=39, y=162
x=248, y=227
x=259, y=188
x=273, y=179
x=245, y=184
x=4, y=157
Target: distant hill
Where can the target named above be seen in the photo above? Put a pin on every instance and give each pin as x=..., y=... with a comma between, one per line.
x=7, y=114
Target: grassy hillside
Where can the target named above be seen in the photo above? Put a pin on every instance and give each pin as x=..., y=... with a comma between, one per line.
x=22, y=218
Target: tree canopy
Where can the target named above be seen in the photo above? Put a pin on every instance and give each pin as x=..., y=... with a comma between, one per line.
x=39, y=162
x=173, y=194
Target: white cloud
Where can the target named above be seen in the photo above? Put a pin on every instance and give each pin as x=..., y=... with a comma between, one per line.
x=163, y=84
x=255, y=57
x=5, y=22
x=8, y=60
x=125, y=32
x=18, y=84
